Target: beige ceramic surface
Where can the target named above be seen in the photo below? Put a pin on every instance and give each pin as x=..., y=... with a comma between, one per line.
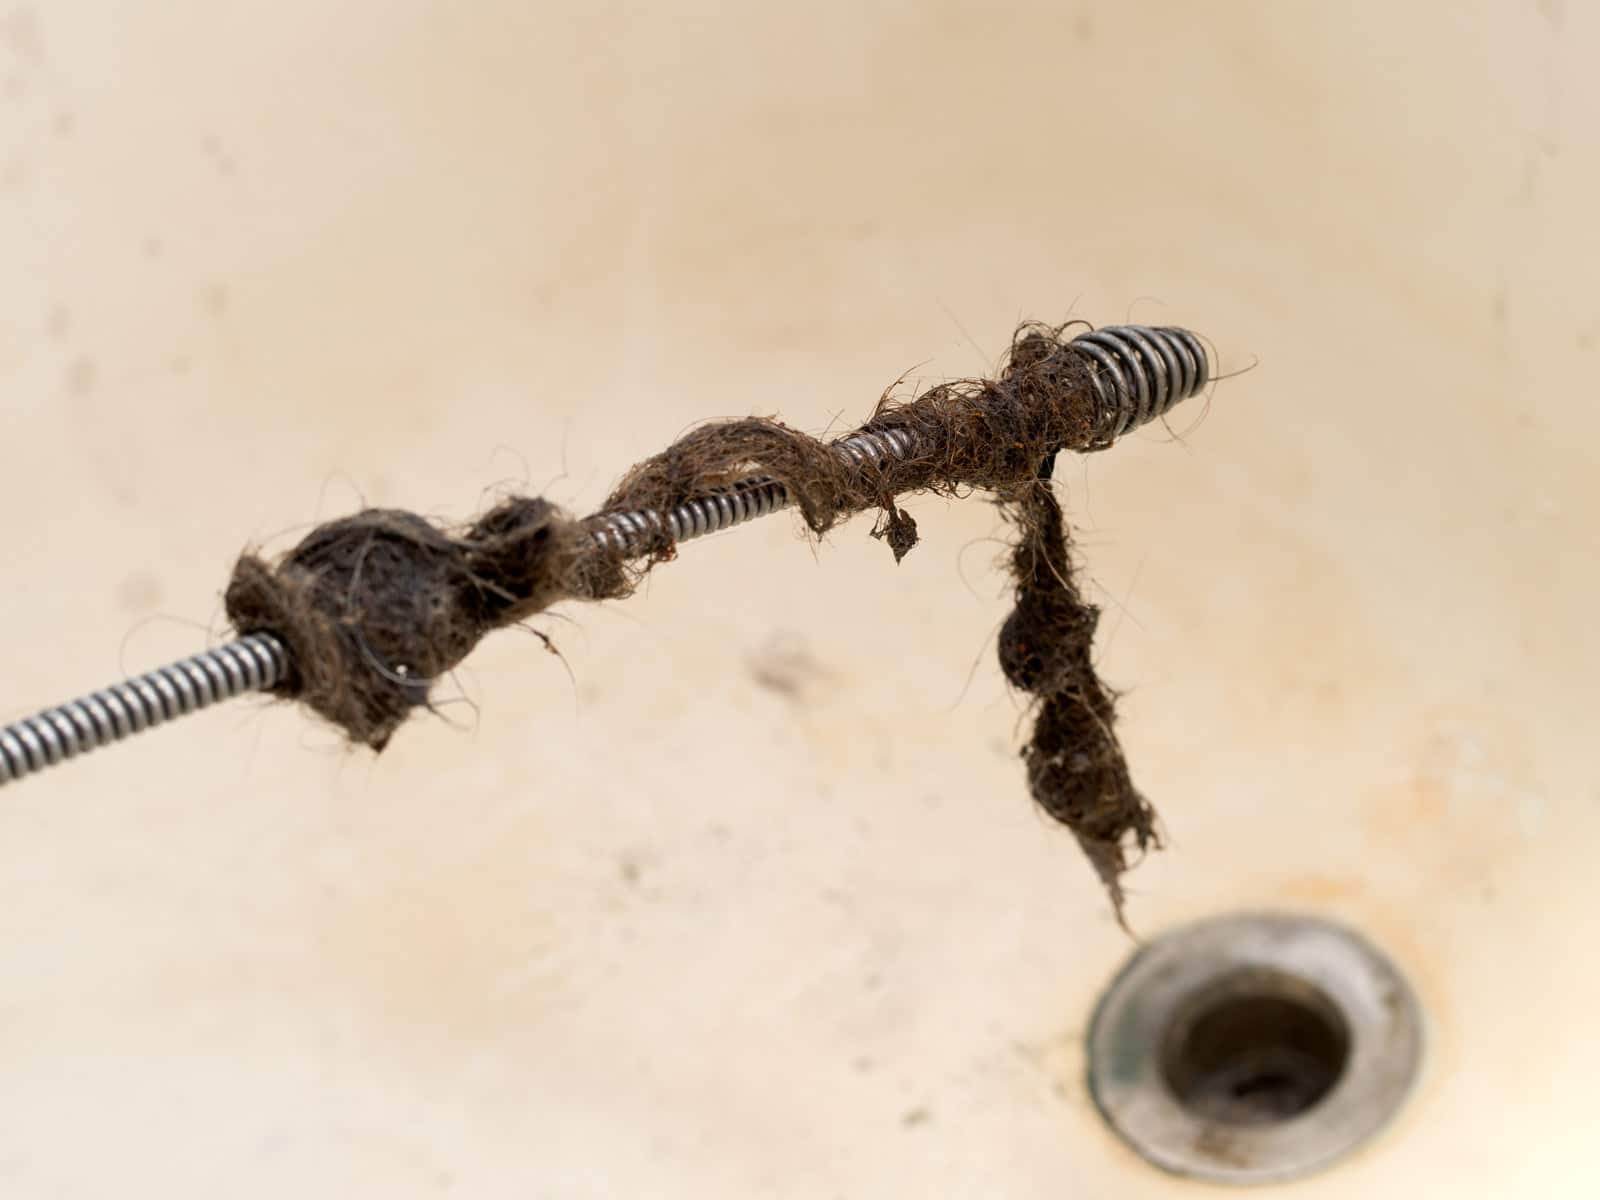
x=758, y=907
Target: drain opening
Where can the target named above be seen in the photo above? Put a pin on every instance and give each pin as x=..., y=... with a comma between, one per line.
x=1255, y=1047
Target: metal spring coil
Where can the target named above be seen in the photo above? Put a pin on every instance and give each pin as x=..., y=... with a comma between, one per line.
x=249, y=664
x=632, y=532
x=1140, y=373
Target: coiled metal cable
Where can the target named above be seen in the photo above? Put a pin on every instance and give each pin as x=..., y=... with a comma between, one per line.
x=247, y=664
x=1139, y=374
x=633, y=532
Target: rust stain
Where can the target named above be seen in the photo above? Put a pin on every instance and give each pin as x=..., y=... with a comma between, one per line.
x=1419, y=806
x=1320, y=891
x=1221, y=1145
x=1470, y=803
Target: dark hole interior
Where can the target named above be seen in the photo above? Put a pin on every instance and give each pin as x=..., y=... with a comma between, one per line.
x=1255, y=1047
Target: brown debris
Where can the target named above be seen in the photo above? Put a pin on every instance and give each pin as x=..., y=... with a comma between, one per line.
x=377, y=606
x=1076, y=769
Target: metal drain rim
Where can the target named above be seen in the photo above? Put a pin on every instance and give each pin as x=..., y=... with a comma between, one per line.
x=1126, y=1036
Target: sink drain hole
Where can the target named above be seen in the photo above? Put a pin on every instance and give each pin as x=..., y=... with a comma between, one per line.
x=1254, y=1047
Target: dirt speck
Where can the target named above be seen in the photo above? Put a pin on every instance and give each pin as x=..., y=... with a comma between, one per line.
x=785, y=666
x=58, y=325
x=19, y=33
x=913, y=1117
x=215, y=299
x=139, y=592
x=213, y=149
x=82, y=375
x=63, y=123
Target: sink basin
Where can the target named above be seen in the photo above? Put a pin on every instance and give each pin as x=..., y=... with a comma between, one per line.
x=746, y=897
